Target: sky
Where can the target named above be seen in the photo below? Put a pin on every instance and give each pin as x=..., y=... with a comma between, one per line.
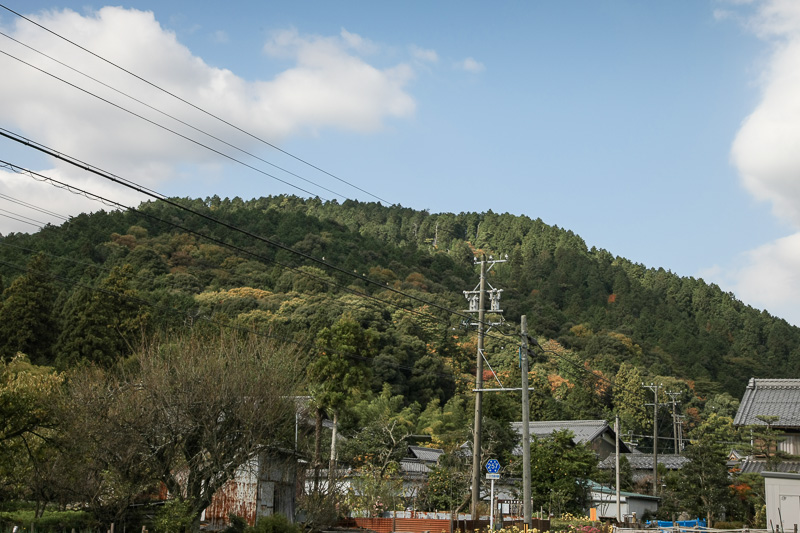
x=667, y=133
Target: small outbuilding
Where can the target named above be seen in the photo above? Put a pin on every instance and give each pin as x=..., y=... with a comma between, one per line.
x=783, y=500
x=632, y=504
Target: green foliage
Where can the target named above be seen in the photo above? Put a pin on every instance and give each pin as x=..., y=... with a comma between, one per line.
x=175, y=516
x=237, y=524
x=275, y=523
x=102, y=326
x=382, y=426
x=560, y=472
x=630, y=399
x=340, y=369
x=704, y=484
x=601, y=313
x=27, y=323
x=445, y=489
x=50, y=521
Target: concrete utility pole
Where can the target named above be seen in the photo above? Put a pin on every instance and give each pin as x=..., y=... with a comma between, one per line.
x=477, y=304
x=526, y=430
x=673, y=396
x=616, y=462
x=654, y=387
x=476, y=437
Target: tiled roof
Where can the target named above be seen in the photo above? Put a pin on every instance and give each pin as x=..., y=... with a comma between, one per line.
x=412, y=466
x=425, y=454
x=644, y=461
x=770, y=397
x=757, y=466
x=584, y=430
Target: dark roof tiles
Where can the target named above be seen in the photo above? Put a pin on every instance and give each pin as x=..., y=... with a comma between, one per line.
x=770, y=397
x=644, y=461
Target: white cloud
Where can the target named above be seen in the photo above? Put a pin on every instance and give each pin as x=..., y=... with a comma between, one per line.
x=766, y=154
x=358, y=43
x=424, y=55
x=328, y=86
x=471, y=65
x=220, y=36
x=770, y=279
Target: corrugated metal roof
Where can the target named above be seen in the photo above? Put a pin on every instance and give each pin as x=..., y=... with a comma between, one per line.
x=770, y=397
x=642, y=461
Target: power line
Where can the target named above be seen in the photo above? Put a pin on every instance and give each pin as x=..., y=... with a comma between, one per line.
x=38, y=225
x=172, y=116
x=194, y=141
x=140, y=78
x=31, y=206
x=154, y=123
x=111, y=203
x=158, y=196
x=185, y=315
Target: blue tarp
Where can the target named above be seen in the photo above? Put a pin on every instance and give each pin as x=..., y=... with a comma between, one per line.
x=664, y=524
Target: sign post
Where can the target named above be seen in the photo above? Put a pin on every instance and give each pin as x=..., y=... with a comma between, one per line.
x=493, y=472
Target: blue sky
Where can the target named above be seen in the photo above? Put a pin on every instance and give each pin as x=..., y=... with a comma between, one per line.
x=664, y=132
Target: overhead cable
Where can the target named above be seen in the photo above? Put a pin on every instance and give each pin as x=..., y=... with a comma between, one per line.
x=198, y=108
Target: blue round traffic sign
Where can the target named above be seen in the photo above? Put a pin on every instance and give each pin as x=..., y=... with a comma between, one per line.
x=492, y=466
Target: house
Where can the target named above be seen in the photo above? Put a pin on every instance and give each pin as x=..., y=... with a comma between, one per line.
x=597, y=433
x=756, y=465
x=773, y=398
x=642, y=464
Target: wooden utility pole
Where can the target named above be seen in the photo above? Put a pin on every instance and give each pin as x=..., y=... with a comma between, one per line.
x=526, y=430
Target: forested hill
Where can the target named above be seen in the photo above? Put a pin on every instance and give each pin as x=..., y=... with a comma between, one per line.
x=122, y=271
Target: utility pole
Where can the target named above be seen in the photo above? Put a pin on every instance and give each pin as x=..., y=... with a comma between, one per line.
x=673, y=396
x=477, y=304
x=654, y=387
x=616, y=467
x=526, y=430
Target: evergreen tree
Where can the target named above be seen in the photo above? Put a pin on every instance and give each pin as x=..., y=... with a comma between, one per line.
x=27, y=324
x=704, y=483
x=103, y=325
x=629, y=399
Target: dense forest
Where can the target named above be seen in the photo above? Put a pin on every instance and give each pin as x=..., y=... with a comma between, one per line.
x=604, y=310
x=371, y=297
